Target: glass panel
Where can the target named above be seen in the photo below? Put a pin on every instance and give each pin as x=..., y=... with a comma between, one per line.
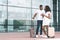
x=23, y=25
x=19, y=17
x=58, y=15
x=3, y=12
x=10, y=29
x=10, y=22
x=3, y=17
x=19, y=13
x=22, y=29
x=28, y=14
x=20, y=25
x=4, y=2
x=58, y=27
x=55, y=14
x=2, y=29
x=33, y=12
x=23, y=3
x=16, y=13
x=10, y=25
x=36, y=3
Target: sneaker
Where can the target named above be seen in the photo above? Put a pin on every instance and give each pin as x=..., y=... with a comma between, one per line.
x=41, y=35
x=44, y=36
x=36, y=36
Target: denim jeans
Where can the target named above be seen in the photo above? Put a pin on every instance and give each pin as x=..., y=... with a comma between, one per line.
x=39, y=25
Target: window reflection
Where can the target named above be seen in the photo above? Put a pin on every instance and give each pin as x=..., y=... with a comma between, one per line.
x=19, y=14
x=3, y=2
x=23, y=3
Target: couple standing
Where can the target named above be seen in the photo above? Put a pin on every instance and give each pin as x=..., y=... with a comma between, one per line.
x=43, y=19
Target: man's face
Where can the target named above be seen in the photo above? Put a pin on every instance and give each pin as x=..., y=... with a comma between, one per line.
x=41, y=8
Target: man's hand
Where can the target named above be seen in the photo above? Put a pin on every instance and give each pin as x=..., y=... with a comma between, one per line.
x=42, y=15
x=34, y=15
x=33, y=18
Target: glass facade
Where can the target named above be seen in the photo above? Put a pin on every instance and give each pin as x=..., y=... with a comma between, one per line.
x=16, y=15
x=56, y=14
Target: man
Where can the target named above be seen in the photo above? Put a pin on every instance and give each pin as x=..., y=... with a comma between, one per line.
x=39, y=19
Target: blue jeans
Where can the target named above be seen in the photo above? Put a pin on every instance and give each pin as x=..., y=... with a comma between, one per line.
x=39, y=25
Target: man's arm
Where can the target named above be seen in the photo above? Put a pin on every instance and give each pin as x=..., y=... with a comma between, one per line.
x=34, y=15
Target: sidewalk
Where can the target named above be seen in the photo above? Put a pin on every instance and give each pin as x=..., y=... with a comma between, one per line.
x=23, y=36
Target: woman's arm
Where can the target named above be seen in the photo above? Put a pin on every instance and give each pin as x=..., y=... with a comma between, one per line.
x=48, y=16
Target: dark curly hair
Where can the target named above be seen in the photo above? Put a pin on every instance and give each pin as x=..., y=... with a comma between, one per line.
x=47, y=8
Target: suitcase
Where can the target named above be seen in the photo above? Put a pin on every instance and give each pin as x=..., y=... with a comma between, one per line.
x=32, y=33
x=51, y=32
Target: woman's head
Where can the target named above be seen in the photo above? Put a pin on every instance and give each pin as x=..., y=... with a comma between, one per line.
x=47, y=8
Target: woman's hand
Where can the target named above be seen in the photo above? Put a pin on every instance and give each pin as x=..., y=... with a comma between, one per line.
x=47, y=16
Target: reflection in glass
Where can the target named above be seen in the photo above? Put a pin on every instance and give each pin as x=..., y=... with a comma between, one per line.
x=16, y=13
x=3, y=17
x=3, y=2
x=23, y=3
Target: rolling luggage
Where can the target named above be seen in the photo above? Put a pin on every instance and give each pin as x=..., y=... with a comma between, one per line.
x=32, y=33
x=51, y=32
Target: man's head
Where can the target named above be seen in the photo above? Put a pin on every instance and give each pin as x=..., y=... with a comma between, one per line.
x=41, y=7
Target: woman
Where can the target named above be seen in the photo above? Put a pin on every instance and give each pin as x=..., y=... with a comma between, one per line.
x=46, y=19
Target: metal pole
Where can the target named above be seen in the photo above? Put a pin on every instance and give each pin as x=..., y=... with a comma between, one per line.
x=57, y=14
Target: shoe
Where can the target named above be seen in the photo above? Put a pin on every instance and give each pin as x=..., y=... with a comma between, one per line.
x=41, y=35
x=44, y=36
x=36, y=36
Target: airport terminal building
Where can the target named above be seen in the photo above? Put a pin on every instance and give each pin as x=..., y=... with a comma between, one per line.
x=16, y=15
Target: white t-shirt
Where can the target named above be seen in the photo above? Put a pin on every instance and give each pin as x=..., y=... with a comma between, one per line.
x=39, y=12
